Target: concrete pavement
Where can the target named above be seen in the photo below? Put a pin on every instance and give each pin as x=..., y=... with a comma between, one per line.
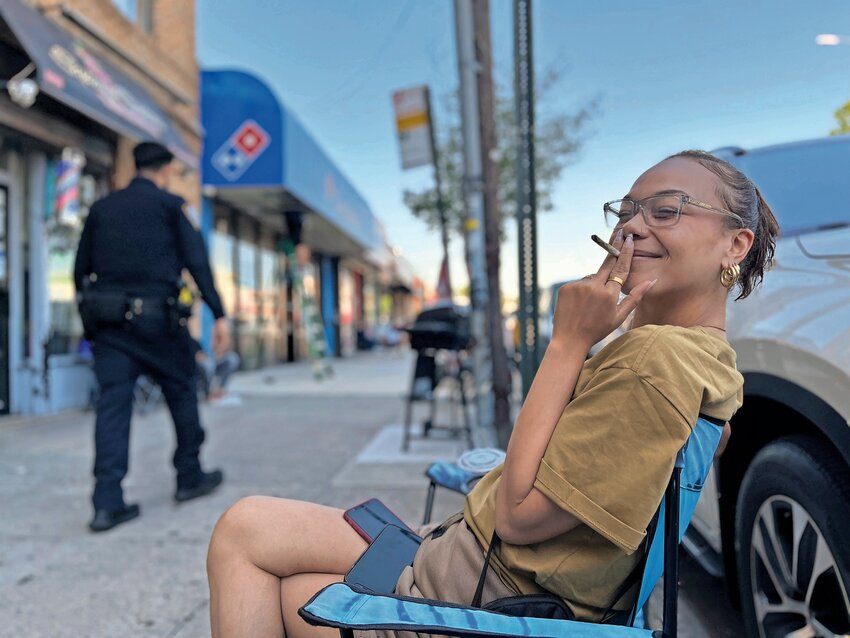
x=334, y=442
x=291, y=437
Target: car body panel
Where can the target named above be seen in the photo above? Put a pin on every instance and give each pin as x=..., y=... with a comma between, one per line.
x=797, y=324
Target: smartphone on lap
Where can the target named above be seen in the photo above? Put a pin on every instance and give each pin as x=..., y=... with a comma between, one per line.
x=380, y=566
x=370, y=517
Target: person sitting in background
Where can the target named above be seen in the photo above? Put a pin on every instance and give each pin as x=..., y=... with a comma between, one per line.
x=214, y=373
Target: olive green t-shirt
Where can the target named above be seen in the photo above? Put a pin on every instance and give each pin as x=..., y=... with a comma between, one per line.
x=610, y=458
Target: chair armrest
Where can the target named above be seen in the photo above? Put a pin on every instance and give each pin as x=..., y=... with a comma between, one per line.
x=352, y=608
x=449, y=475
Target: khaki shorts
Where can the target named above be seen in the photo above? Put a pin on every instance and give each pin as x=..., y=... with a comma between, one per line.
x=447, y=567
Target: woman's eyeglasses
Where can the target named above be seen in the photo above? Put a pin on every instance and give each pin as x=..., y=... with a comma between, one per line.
x=657, y=211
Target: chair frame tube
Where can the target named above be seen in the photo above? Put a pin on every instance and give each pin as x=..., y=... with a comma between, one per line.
x=429, y=503
x=671, y=555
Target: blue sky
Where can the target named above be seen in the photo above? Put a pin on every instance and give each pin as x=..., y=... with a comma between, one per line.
x=669, y=75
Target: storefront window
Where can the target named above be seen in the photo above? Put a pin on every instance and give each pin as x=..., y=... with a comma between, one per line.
x=346, y=312
x=248, y=314
x=221, y=253
x=370, y=302
x=128, y=8
x=64, y=226
x=139, y=12
x=269, y=312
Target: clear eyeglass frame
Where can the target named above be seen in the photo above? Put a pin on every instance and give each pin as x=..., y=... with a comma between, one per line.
x=613, y=210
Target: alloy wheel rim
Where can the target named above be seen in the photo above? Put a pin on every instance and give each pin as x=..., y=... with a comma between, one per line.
x=795, y=581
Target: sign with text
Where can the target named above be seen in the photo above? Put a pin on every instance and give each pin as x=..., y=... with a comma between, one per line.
x=72, y=73
x=412, y=123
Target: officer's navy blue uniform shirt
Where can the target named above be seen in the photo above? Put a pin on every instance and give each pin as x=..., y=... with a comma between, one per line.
x=138, y=240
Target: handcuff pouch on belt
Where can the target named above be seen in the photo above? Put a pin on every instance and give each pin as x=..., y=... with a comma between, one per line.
x=101, y=307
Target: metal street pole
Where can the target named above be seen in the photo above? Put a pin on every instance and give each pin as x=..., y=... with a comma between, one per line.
x=441, y=203
x=474, y=224
x=526, y=194
x=501, y=374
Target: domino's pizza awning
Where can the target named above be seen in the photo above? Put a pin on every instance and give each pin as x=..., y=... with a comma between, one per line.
x=258, y=157
x=75, y=76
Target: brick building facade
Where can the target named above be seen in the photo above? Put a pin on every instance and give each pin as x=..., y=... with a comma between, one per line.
x=155, y=46
x=108, y=74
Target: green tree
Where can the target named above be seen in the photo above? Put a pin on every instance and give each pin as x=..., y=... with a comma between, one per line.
x=558, y=139
x=843, y=117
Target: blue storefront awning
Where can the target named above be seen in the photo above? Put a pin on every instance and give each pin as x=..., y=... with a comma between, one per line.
x=254, y=142
x=72, y=74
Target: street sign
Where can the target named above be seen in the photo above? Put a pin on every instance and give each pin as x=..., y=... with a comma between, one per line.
x=413, y=125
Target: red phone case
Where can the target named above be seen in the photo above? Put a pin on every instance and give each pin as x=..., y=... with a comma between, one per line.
x=360, y=530
x=356, y=527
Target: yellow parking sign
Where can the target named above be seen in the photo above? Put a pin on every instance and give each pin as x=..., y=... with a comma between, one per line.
x=413, y=126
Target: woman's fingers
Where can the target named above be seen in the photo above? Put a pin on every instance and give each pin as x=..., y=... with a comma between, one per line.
x=610, y=260
x=623, y=264
x=630, y=301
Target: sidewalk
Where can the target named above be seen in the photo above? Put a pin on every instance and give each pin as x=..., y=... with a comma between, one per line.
x=291, y=436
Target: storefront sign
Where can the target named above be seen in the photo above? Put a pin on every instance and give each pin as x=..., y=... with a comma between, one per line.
x=240, y=150
x=72, y=74
x=253, y=143
x=81, y=65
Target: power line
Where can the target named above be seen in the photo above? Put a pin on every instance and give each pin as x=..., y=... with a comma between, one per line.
x=364, y=73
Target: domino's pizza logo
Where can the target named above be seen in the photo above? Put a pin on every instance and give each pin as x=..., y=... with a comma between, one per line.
x=240, y=150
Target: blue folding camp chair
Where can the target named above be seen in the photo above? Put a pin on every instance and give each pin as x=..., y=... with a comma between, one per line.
x=352, y=607
x=450, y=476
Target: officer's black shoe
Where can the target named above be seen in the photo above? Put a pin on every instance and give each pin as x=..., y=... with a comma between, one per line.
x=206, y=484
x=107, y=519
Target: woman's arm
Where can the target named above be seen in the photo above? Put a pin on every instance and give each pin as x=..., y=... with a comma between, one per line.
x=520, y=507
x=525, y=515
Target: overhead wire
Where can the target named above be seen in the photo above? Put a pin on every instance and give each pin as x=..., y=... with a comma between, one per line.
x=363, y=75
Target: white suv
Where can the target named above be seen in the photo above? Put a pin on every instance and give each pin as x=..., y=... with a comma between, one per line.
x=775, y=514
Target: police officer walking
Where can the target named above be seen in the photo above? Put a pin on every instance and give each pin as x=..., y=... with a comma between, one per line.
x=134, y=246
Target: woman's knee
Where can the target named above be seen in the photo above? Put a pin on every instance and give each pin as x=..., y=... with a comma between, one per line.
x=238, y=525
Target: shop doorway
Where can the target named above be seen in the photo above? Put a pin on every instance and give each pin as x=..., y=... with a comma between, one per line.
x=4, y=303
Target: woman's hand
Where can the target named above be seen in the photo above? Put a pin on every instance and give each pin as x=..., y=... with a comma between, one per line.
x=588, y=310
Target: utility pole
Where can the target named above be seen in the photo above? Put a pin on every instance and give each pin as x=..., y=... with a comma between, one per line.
x=441, y=203
x=526, y=194
x=492, y=223
x=473, y=192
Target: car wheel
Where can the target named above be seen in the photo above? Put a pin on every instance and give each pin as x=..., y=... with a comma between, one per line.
x=791, y=541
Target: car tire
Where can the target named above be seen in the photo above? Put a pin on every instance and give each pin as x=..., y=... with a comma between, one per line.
x=791, y=541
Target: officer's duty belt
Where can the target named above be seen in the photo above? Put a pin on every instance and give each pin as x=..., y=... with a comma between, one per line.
x=145, y=305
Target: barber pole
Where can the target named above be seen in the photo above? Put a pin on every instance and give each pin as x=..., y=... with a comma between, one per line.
x=67, y=200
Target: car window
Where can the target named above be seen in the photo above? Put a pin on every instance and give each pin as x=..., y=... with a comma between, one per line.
x=806, y=185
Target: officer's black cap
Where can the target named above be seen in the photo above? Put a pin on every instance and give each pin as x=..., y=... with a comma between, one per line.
x=151, y=155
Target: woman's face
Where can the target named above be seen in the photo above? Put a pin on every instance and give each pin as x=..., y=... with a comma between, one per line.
x=687, y=257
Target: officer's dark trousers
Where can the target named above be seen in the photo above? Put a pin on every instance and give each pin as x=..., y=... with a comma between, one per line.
x=120, y=356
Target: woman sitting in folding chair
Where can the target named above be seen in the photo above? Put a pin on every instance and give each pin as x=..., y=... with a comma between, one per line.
x=595, y=442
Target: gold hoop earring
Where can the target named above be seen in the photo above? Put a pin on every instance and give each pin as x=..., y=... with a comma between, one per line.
x=729, y=276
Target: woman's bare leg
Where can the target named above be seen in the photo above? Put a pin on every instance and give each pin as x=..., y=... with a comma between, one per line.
x=295, y=591
x=261, y=540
